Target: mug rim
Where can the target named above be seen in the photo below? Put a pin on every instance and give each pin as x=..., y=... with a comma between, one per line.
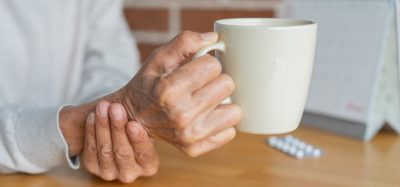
x=282, y=23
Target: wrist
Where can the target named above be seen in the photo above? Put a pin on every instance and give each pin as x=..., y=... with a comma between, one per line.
x=125, y=97
x=72, y=130
x=72, y=119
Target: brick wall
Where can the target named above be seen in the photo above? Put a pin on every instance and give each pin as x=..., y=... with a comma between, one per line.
x=155, y=22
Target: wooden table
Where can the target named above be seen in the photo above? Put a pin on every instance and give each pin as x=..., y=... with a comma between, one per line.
x=248, y=161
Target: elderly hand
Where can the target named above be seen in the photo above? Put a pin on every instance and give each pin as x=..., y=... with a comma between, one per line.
x=115, y=148
x=178, y=99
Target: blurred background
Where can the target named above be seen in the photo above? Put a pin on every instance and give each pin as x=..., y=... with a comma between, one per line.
x=355, y=87
x=154, y=22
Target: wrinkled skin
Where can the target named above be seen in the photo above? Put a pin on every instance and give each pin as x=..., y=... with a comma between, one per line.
x=178, y=99
x=115, y=148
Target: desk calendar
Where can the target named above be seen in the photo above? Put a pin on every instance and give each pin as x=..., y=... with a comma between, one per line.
x=355, y=87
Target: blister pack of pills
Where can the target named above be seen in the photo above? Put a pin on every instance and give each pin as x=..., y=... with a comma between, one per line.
x=294, y=147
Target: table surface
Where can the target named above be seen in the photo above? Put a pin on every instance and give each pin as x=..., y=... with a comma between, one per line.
x=248, y=161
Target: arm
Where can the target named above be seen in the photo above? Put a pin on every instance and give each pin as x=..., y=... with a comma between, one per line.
x=172, y=97
x=30, y=137
x=175, y=99
x=33, y=139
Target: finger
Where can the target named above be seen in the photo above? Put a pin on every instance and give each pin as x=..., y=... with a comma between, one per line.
x=108, y=168
x=221, y=118
x=187, y=43
x=89, y=155
x=212, y=94
x=211, y=143
x=195, y=74
x=145, y=153
x=176, y=52
x=123, y=151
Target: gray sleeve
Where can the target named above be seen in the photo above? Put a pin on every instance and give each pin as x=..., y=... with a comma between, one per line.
x=31, y=140
x=111, y=56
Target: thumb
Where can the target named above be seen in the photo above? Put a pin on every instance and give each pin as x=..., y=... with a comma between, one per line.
x=187, y=43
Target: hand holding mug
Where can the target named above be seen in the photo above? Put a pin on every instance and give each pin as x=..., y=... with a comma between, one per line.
x=178, y=99
x=270, y=61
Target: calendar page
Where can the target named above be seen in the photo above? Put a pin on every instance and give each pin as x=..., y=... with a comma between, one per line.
x=352, y=36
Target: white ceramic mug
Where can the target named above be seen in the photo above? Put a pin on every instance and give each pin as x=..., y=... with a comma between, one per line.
x=270, y=61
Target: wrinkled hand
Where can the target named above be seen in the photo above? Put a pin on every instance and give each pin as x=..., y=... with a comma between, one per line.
x=115, y=148
x=178, y=99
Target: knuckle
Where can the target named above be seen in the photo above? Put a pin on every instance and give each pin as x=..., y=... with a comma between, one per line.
x=186, y=40
x=157, y=54
x=118, y=126
x=181, y=119
x=103, y=122
x=108, y=176
x=181, y=138
x=123, y=153
x=212, y=64
x=150, y=171
x=192, y=151
x=91, y=148
x=143, y=155
x=127, y=177
x=236, y=114
x=228, y=82
x=165, y=89
x=106, y=151
x=190, y=135
x=223, y=137
x=231, y=134
x=184, y=36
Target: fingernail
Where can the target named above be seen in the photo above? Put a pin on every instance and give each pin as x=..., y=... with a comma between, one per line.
x=91, y=118
x=208, y=36
x=117, y=113
x=134, y=129
x=103, y=109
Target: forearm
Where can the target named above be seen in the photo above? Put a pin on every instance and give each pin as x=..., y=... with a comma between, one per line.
x=72, y=121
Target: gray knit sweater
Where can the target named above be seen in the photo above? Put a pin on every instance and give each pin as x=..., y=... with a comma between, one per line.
x=55, y=53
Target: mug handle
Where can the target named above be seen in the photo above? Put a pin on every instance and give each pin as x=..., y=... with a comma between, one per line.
x=219, y=46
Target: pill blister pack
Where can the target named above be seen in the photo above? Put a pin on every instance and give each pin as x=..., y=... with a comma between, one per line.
x=294, y=147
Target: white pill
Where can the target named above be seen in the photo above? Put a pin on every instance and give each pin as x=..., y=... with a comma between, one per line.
x=316, y=153
x=279, y=144
x=272, y=140
x=289, y=138
x=295, y=141
x=301, y=145
x=300, y=154
x=292, y=150
x=294, y=147
x=309, y=148
x=286, y=147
